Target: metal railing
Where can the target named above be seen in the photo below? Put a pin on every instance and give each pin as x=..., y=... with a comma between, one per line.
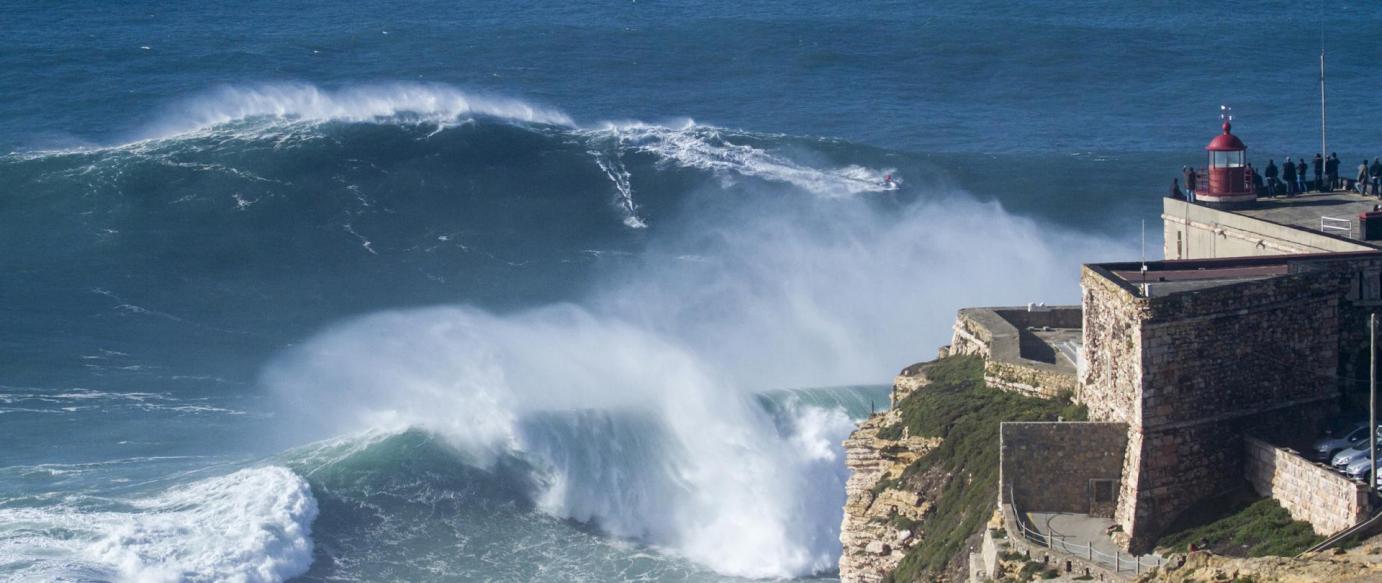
x=1337, y=224
x=1366, y=525
x=1117, y=561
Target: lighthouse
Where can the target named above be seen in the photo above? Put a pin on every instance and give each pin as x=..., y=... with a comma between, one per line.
x=1229, y=178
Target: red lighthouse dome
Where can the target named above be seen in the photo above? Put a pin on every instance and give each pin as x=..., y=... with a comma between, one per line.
x=1230, y=181
x=1226, y=142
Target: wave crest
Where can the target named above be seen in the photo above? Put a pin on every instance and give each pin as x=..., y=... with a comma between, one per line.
x=303, y=102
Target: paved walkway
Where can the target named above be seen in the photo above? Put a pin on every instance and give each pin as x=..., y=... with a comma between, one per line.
x=1072, y=532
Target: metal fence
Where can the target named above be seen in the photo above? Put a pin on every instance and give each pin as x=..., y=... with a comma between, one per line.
x=1337, y=225
x=1119, y=562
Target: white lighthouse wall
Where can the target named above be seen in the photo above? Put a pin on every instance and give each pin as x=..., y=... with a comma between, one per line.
x=1194, y=231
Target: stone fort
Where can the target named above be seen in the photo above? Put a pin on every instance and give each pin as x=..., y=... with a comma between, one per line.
x=1202, y=372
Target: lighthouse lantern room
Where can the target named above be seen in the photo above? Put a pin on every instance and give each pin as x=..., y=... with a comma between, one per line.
x=1230, y=181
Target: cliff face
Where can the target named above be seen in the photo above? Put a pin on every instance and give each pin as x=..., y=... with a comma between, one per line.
x=1359, y=565
x=925, y=474
x=879, y=521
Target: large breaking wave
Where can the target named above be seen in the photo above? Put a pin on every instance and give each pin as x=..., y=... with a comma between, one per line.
x=282, y=116
x=608, y=301
x=623, y=429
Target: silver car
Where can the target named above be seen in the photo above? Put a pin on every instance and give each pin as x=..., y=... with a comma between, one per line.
x=1326, y=447
x=1358, y=470
x=1354, y=452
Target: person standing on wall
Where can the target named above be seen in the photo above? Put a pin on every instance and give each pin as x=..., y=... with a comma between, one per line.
x=1288, y=175
x=1190, y=181
x=1362, y=184
x=1301, y=168
x=1319, y=172
x=1271, y=177
x=1331, y=171
x=1376, y=172
x=1257, y=189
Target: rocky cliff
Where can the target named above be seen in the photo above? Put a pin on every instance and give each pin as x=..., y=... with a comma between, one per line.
x=877, y=527
x=925, y=473
x=1359, y=565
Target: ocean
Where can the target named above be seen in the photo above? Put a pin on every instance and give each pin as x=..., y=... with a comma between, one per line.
x=556, y=292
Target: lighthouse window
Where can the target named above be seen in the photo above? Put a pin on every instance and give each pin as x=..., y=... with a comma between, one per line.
x=1228, y=159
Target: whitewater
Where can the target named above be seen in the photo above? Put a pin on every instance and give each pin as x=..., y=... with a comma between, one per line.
x=498, y=291
x=648, y=412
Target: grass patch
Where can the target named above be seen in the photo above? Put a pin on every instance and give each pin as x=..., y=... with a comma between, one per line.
x=959, y=408
x=1244, y=527
x=892, y=432
x=901, y=522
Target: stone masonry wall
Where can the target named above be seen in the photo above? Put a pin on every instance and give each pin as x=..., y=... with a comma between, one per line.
x=1029, y=380
x=1192, y=372
x=1213, y=359
x=1310, y=492
x=1112, y=376
x=1049, y=466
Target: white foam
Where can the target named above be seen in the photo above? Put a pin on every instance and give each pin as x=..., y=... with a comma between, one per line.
x=303, y=102
x=714, y=149
x=614, y=169
x=250, y=526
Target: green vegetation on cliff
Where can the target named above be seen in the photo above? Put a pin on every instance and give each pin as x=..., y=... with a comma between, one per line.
x=1243, y=526
x=960, y=476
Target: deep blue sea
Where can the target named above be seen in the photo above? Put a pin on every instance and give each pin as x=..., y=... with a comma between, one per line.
x=444, y=291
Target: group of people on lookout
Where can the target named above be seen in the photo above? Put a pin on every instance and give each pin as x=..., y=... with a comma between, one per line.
x=1294, y=177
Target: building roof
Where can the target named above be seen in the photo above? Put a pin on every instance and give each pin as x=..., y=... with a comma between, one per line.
x=1166, y=277
x=1310, y=211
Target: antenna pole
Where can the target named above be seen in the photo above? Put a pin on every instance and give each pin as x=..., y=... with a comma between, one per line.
x=1372, y=401
x=1324, y=150
x=1144, y=257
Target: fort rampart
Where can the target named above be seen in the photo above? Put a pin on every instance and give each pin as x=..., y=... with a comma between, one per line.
x=1016, y=358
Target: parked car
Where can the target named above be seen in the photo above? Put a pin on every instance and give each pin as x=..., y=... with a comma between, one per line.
x=1326, y=447
x=1358, y=470
x=1354, y=452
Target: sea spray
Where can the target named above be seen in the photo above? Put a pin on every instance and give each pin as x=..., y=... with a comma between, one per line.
x=627, y=430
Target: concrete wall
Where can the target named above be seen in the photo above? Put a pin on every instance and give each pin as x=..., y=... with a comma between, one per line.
x=1310, y=492
x=1191, y=373
x=999, y=336
x=1194, y=231
x=1049, y=466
